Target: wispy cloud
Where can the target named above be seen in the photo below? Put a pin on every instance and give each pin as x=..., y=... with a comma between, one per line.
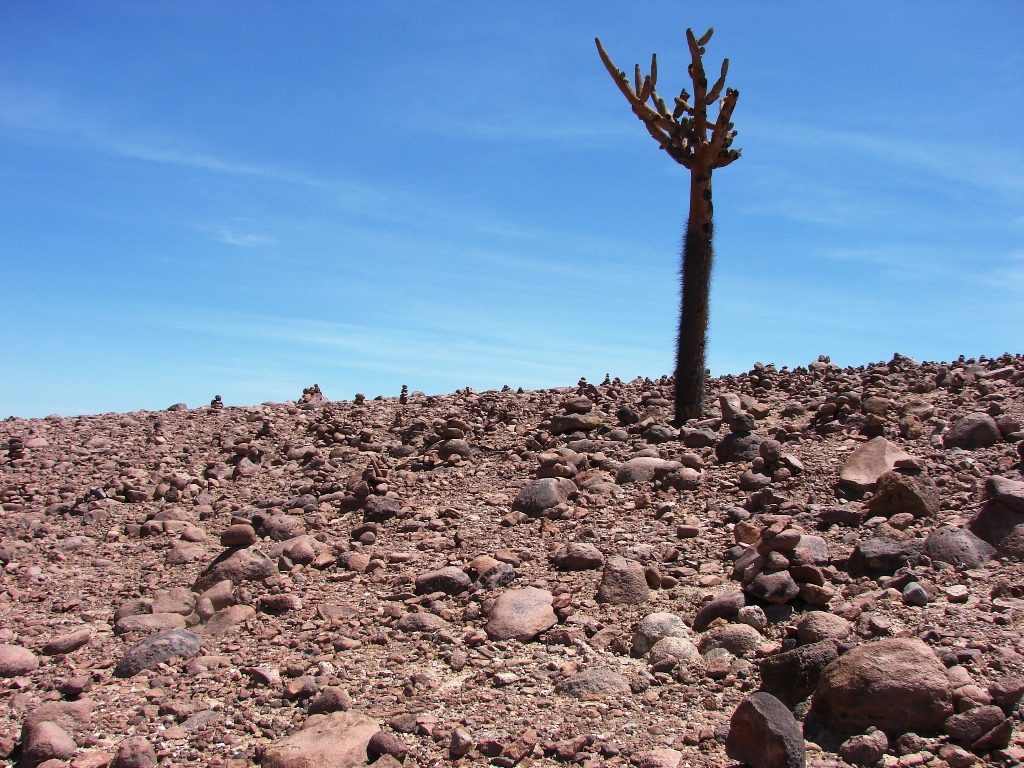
x=996, y=168
x=42, y=114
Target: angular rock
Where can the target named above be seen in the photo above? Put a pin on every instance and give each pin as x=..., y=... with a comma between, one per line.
x=883, y=556
x=623, y=582
x=764, y=734
x=738, y=446
x=1008, y=492
x=975, y=430
x=897, y=493
x=868, y=462
x=521, y=614
x=157, y=649
x=865, y=749
x=1001, y=526
x=974, y=723
x=896, y=685
x=540, y=495
x=149, y=623
x=236, y=565
x=229, y=620
x=576, y=422
x=774, y=586
x=421, y=622
x=337, y=740
x=958, y=547
x=792, y=676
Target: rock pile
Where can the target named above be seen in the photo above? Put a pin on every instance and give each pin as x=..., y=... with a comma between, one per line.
x=824, y=571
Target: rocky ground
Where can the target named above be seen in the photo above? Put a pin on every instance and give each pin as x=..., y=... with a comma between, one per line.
x=824, y=572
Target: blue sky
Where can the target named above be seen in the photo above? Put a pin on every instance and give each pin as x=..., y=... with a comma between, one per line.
x=245, y=198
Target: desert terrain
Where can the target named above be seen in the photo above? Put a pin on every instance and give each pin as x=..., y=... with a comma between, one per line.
x=825, y=571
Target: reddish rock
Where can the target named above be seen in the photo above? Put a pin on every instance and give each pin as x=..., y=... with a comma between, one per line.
x=337, y=740
x=897, y=685
x=764, y=734
x=897, y=493
x=869, y=462
x=521, y=614
x=623, y=582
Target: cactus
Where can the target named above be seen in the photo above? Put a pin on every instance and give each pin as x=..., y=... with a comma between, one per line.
x=683, y=134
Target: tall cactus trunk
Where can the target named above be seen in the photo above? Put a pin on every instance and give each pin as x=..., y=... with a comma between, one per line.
x=695, y=274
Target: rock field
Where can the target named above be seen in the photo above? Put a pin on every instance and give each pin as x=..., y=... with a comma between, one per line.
x=826, y=571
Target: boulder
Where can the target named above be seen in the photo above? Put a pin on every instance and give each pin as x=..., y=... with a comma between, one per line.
x=868, y=462
x=236, y=565
x=538, y=496
x=16, y=661
x=738, y=446
x=975, y=430
x=623, y=582
x=521, y=614
x=577, y=556
x=229, y=620
x=158, y=649
x=450, y=580
x=792, y=676
x=737, y=639
x=815, y=626
x=1008, y=492
x=897, y=685
x=883, y=556
x=643, y=469
x=958, y=547
x=134, y=752
x=595, y=681
x=421, y=622
x=337, y=740
x=764, y=734
x=865, y=748
x=1001, y=526
x=727, y=606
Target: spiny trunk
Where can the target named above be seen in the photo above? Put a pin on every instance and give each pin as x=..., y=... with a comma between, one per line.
x=696, y=288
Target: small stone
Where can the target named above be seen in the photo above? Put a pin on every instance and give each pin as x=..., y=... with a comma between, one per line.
x=865, y=749
x=915, y=594
x=68, y=642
